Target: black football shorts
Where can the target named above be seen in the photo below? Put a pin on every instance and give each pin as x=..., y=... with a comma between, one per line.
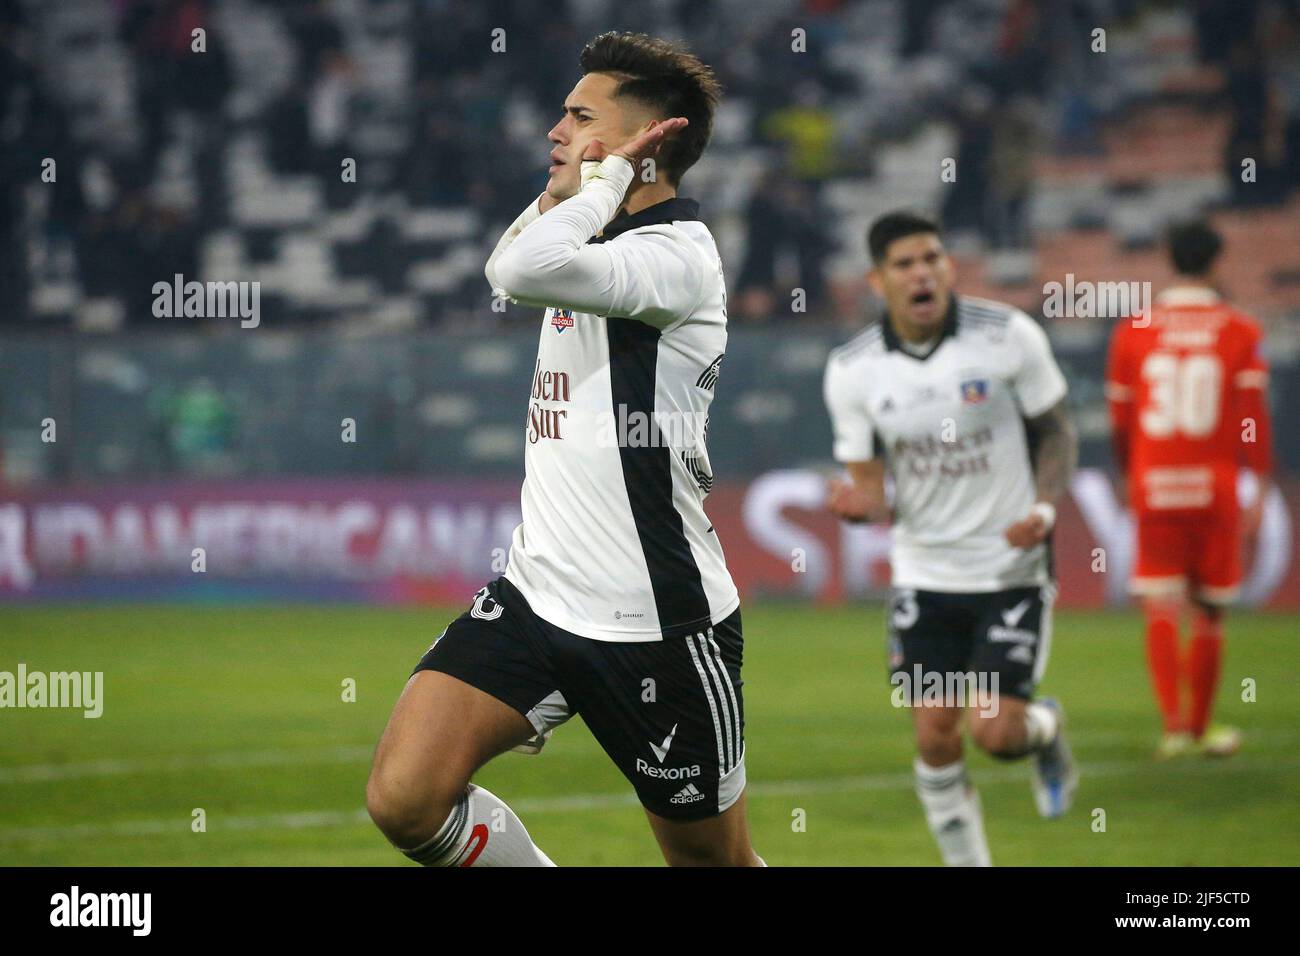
x=1004, y=633
x=669, y=713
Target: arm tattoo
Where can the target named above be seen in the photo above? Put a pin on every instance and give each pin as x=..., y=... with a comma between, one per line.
x=1057, y=451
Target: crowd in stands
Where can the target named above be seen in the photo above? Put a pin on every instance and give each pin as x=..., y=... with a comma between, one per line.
x=226, y=157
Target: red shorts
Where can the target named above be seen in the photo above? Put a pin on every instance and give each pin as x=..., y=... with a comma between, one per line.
x=1202, y=551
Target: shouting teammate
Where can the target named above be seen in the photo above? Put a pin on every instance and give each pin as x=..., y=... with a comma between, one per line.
x=1186, y=389
x=962, y=403
x=616, y=603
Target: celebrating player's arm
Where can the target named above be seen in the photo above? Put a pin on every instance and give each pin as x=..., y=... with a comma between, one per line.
x=1055, y=458
x=546, y=259
x=1053, y=437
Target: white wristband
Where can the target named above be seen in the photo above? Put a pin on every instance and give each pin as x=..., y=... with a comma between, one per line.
x=1046, y=511
x=613, y=167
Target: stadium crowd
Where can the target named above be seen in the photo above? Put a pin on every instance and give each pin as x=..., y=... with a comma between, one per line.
x=229, y=161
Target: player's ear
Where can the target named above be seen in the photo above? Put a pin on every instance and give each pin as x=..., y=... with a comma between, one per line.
x=873, y=277
x=642, y=128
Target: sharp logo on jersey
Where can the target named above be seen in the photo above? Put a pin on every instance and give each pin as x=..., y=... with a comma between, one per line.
x=709, y=377
x=974, y=390
x=562, y=319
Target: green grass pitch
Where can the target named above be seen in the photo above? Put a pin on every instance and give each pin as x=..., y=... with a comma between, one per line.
x=239, y=712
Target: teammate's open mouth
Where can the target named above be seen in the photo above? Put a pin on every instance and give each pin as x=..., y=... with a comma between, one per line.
x=921, y=298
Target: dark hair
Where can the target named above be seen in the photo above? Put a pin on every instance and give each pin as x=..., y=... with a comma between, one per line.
x=898, y=224
x=670, y=80
x=1193, y=246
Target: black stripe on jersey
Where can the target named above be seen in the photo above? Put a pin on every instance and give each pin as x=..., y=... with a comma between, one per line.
x=648, y=477
x=677, y=209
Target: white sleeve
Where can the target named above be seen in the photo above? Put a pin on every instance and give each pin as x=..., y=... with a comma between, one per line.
x=655, y=277
x=526, y=218
x=1037, y=379
x=850, y=421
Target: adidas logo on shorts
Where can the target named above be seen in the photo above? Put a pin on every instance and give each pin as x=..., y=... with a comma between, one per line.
x=688, y=794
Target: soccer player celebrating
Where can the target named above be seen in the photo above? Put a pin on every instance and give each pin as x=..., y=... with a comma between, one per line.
x=616, y=603
x=1186, y=390
x=961, y=402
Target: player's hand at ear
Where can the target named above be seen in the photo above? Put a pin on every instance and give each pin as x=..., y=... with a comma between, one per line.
x=639, y=147
x=1027, y=532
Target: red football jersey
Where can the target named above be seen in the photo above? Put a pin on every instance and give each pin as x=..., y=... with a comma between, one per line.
x=1187, y=397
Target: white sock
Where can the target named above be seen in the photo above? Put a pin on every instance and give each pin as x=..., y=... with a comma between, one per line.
x=1041, y=725
x=481, y=831
x=952, y=809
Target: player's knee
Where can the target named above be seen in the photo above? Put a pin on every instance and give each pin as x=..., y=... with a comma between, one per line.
x=998, y=738
x=408, y=814
x=939, y=746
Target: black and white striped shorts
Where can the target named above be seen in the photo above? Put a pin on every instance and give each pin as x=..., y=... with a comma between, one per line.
x=669, y=713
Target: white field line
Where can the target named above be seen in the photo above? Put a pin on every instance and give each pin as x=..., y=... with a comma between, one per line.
x=239, y=759
x=527, y=806
x=234, y=760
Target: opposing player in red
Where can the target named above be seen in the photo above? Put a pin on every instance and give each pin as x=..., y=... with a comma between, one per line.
x=1187, y=390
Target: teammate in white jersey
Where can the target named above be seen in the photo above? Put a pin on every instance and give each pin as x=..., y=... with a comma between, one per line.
x=960, y=402
x=616, y=602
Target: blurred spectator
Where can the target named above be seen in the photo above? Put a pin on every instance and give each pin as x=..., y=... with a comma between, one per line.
x=311, y=120
x=1255, y=134
x=196, y=429
x=1011, y=173
x=806, y=128
x=180, y=72
x=784, y=219
x=965, y=204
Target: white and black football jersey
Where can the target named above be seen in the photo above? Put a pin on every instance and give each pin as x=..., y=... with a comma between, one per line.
x=950, y=425
x=615, y=544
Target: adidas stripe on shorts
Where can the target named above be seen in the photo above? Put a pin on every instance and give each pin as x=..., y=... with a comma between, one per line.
x=669, y=713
